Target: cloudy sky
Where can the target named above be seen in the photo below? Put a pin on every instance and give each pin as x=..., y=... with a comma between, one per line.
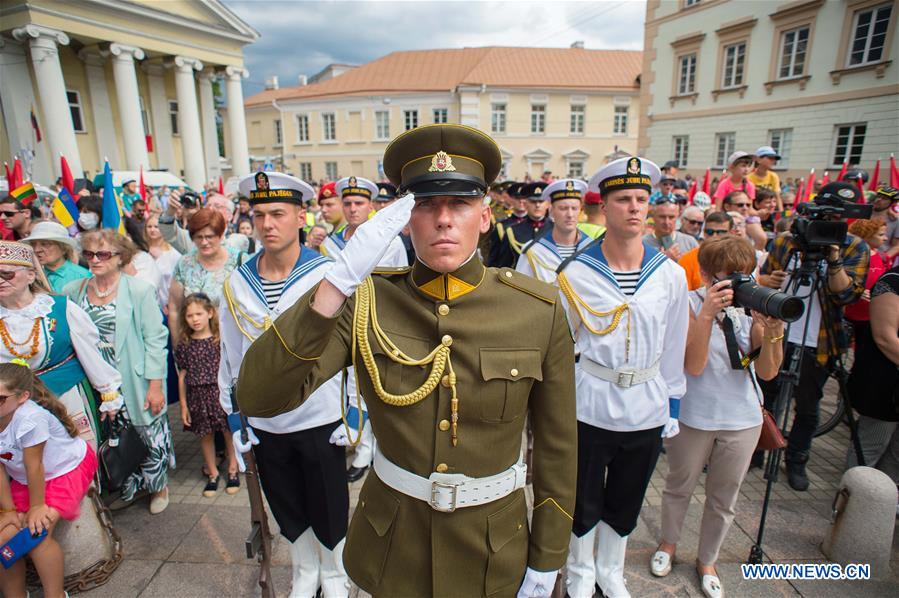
x=303, y=36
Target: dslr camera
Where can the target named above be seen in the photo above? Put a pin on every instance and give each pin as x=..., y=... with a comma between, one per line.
x=190, y=200
x=748, y=294
x=823, y=222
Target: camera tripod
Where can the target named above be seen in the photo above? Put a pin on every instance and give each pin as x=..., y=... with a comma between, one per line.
x=809, y=275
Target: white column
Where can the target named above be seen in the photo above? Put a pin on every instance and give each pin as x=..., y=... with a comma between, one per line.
x=132, y=125
x=189, y=121
x=58, y=127
x=237, y=124
x=207, y=119
x=161, y=117
x=101, y=107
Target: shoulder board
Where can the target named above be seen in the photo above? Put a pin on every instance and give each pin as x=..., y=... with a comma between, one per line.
x=386, y=271
x=526, y=284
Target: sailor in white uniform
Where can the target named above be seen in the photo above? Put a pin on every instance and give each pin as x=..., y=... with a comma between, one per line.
x=301, y=472
x=628, y=307
x=357, y=195
x=541, y=257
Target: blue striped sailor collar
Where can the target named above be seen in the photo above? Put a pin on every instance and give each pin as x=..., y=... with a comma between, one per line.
x=594, y=258
x=307, y=261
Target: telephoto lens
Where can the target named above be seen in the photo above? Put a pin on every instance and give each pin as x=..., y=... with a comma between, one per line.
x=749, y=294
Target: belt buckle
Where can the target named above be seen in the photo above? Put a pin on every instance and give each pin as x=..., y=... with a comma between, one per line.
x=435, y=488
x=625, y=379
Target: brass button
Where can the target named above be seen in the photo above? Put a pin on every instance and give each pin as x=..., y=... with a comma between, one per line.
x=520, y=525
x=443, y=309
x=445, y=381
x=443, y=425
x=508, y=274
x=362, y=503
x=447, y=340
x=514, y=372
x=442, y=467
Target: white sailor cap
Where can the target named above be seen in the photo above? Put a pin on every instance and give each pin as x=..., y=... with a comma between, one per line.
x=354, y=185
x=626, y=173
x=275, y=187
x=565, y=189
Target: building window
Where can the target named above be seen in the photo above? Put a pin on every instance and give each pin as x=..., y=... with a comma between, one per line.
x=306, y=171
x=278, y=138
x=781, y=140
x=173, y=116
x=575, y=169
x=869, y=34
x=302, y=128
x=724, y=147
x=410, y=118
x=331, y=171
x=577, y=119
x=688, y=3
x=441, y=115
x=498, y=118
x=734, y=61
x=75, y=108
x=793, y=46
x=850, y=139
x=681, y=149
x=382, y=124
x=538, y=118
x=329, y=126
x=687, y=79
x=620, y=120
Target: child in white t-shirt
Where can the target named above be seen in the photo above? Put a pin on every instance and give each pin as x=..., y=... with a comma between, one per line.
x=45, y=472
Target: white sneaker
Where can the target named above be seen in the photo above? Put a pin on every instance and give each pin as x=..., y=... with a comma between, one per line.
x=660, y=563
x=711, y=586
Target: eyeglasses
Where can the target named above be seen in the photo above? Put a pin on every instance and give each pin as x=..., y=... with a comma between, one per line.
x=740, y=205
x=204, y=238
x=101, y=256
x=693, y=222
x=4, y=397
x=711, y=232
x=10, y=274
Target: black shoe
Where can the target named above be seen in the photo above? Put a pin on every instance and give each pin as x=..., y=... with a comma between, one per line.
x=796, y=475
x=758, y=460
x=354, y=474
x=233, y=484
x=212, y=486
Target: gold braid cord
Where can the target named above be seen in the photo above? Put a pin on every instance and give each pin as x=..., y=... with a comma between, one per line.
x=617, y=313
x=439, y=359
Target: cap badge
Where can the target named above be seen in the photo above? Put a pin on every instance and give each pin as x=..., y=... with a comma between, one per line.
x=262, y=181
x=351, y=182
x=633, y=166
x=441, y=162
x=383, y=191
x=569, y=186
x=326, y=193
x=538, y=190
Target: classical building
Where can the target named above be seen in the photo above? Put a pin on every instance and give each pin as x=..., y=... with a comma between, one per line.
x=132, y=81
x=562, y=110
x=817, y=80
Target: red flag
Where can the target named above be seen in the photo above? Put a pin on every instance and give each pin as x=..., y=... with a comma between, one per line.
x=825, y=179
x=843, y=170
x=68, y=181
x=861, y=187
x=221, y=185
x=894, y=172
x=872, y=185
x=18, y=177
x=35, y=126
x=142, y=190
x=797, y=199
x=691, y=193
x=809, y=185
x=9, y=180
x=707, y=182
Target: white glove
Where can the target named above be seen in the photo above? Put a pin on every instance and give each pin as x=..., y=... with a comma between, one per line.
x=671, y=428
x=113, y=405
x=368, y=245
x=339, y=437
x=240, y=447
x=537, y=584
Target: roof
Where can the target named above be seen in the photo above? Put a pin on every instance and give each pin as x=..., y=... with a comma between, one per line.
x=444, y=70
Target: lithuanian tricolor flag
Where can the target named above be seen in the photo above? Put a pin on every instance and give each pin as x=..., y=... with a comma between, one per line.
x=24, y=194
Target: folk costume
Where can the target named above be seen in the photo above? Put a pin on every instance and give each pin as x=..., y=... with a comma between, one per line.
x=631, y=330
x=301, y=472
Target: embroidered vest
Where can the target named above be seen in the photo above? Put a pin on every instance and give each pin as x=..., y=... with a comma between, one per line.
x=62, y=370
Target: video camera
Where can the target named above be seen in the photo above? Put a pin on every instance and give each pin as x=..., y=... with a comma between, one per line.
x=823, y=222
x=749, y=294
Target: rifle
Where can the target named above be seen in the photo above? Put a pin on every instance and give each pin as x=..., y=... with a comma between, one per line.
x=259, y=542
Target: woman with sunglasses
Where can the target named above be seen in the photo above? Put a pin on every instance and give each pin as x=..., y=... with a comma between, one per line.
x=133, y=340
x=57, y=340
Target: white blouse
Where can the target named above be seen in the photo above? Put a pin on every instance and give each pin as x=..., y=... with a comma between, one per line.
x=165, y=263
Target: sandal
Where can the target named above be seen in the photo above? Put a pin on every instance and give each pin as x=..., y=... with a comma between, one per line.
x=212, y=487
x=233, y=484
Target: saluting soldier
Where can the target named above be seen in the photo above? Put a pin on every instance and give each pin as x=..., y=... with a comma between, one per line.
x=627, y=304
x=301, y=472
x=542, y=256
x=444, y=511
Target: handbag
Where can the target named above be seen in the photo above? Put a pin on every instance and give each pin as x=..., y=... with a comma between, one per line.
x=771, y=437
x=121, y=453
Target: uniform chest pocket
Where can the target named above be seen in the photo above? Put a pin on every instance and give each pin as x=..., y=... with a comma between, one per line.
x=508, y=375
x=397, y=378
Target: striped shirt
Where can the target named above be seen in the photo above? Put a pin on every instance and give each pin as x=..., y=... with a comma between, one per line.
x=273, y=291
x=627, y=281
x=565, y=251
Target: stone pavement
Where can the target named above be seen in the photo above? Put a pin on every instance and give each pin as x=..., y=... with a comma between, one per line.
x=196, y=547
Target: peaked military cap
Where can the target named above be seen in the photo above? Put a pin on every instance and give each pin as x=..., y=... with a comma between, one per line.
x=514, y=190
x=275, y=187
x=533, y=191
x=353, y=185
x=386, y=192
x=625, y=173
x=442, y=159
x=565, y=189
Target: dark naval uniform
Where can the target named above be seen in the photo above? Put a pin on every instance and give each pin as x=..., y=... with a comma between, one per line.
x=462, y=412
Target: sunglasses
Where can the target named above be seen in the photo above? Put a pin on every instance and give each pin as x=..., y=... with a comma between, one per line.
x=9, y=214
x=101, y=256
x=711, y=232
x=693, y=222
x=4, y=397
x=10, y=274
x=740, y=205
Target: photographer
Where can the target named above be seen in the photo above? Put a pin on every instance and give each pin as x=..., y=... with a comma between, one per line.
x=843, y=271
x=720, y=415
x=173, y=223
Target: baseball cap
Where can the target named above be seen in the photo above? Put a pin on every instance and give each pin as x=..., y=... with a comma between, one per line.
x=738, y=155
x=766, y=151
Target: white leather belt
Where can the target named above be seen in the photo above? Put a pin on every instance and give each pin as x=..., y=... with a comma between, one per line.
x=621, y=377
x=447, y=492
